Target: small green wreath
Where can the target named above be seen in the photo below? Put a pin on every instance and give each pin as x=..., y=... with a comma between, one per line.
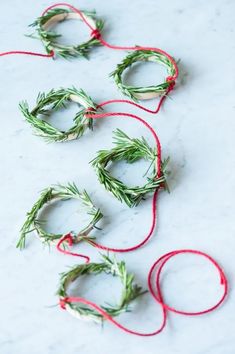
x=53, y=101
x=58, y=192
x=129, y=150
x=49, y=38
x=130, y=290
x=143, y=93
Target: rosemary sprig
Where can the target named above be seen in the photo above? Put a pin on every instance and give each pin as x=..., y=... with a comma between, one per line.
x=49, y=38
x=129, y=150
x=142, y=55
x=53, y=101
x=55, y=193
x=130, y=290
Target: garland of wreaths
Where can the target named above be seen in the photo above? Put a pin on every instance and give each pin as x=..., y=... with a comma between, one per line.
x=49, y=37
x=129, y=150
x=143, y=93
x=54, y=100
x=130, y=290
x=58, y=192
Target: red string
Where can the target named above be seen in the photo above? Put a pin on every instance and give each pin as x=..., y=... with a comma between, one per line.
x=68, y=238
x=142, y=243
x=163, y=260
x=157, y=295
x=50, y=55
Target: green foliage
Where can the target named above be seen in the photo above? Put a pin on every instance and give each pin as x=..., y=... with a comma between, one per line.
x=142, y=55
x=53, y=101
x=129, y=150
x=130, y=290
x=49, y=38
x=58, y=192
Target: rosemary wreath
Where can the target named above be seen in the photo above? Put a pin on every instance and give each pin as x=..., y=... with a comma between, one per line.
x=58, y=192
x=143, y=93
x=129, y=150
x=49, y=37
x=53, y=101
x=130, y=291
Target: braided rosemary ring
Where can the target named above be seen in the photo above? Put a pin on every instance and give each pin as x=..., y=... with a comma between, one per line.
x=58, y=192
x=49, y=38
x=53, y=101
x=129, y=150
x=130, y=291
x=144, y=93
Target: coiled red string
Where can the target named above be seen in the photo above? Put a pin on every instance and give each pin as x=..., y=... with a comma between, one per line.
x=157, y=294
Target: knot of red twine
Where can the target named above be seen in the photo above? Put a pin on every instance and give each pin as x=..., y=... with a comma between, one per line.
x=69, y=238
x=95, y=33
x=63, y=303
x=89, y=110
x=170, y=79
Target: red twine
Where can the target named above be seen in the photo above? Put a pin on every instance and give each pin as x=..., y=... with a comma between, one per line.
x=157, y=293
x=68, y=238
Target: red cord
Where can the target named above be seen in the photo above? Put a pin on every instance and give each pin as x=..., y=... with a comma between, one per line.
x=50, y=55
x=69, y=239
x=163, y=260
x=157, y=295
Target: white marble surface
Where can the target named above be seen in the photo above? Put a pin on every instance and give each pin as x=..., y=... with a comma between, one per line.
x=196, y=128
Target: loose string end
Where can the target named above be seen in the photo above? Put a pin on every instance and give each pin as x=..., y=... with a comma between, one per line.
x=68, y=238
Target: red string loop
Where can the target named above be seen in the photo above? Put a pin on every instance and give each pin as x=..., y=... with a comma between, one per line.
x=170, y=79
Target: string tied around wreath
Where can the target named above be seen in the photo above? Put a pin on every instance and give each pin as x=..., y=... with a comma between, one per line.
x=63, y=303
x=95, y=33
x=170, y=79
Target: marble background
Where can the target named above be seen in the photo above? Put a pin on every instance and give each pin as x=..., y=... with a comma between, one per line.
x=196, y=128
